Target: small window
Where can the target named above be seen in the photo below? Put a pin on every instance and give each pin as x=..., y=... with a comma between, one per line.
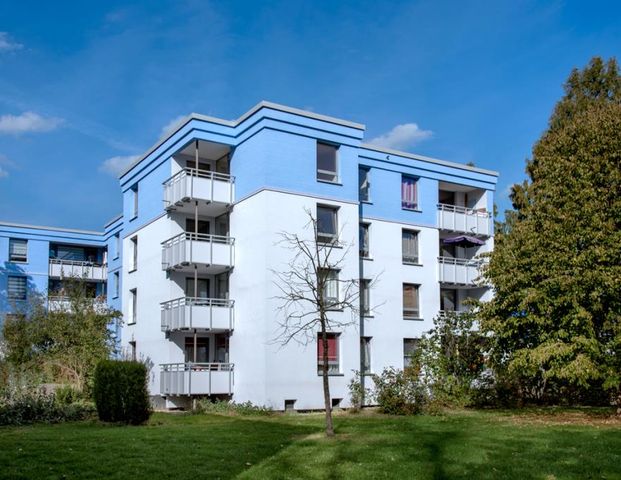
x=408, y=193
x=410, y=301
x=409, y=349
x=333, y=354
x=364, y=184
x=17, y=288
x=133, y=306
x=18, y=250
x=364, y=231
x=409, y=244
x=134, y=258
x=117, y=282
x=330, y=279
x=365, y=297
x=365, y=354
x=132, y=350
x=327, y=163
x=327, y=224
x=117, y=245
x=134, y=190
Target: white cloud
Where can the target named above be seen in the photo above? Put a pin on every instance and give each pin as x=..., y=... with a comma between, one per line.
x=170, y=127
x=3, y=173
x=8, y=45
x=115, y=165
x=402, y=136
x=28, y=122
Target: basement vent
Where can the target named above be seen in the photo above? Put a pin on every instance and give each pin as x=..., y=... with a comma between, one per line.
x=289, y=405
x=336, y=402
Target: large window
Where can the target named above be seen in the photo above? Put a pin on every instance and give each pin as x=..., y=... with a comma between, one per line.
x=18, y=250
x=134, y=193
x=133, y=306
x=333, y=354
x=364, y=240
x=202, y=350
x=17, y=288
x=134, y=258
x=364, y=184
x=327, y=163
x=330, y=279
x=365, y=297
x=409, y=246
x=365, y=354
x=408, y=193
x=409, y=349
x=410, y=301
x=202, y=287
x=327, y=224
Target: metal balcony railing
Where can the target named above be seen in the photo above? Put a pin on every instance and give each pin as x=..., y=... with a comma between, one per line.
x=197, y=248
x=196, y=379
x=57, y=303
x=462, y=219
x=193, y=184
x=60, y=268
x=197, y=313
x=460, y=271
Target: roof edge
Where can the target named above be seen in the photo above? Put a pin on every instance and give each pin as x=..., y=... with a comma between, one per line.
x=45, y=227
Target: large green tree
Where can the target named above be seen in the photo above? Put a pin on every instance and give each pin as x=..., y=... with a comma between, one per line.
x=555, y=319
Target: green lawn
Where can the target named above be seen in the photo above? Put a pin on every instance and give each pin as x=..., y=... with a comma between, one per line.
x=458, y=445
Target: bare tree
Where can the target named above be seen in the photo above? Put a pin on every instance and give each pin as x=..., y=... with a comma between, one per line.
x=311, y=291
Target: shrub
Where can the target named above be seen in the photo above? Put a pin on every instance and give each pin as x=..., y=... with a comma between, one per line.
x=224, y=407
x=34, y=407
x=399, y=392
x=358, y=395
x=120, y=392
x=67, y=395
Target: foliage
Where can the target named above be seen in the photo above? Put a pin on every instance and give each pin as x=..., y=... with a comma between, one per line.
x=36, y=407
x=358, y=394
x=63, y=344
x=224, y=407
x=120, y=392
x=399, y=392
x=555, y=320
x=451, y=357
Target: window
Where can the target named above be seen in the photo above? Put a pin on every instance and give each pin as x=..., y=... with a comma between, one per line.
x=133, y=306
x=202, y=350
x=365, y=297
x=18, y=250
x=117, y=245
x=408, y=193
x=17, y=288
x=365, y=354
x=116, y=284
x=364, y=184
x=202, y=287
x=134, y=258
x=327, y=164
x=134, y=190
x=410, y=301
x=327, y=222
x=333, y=354
x=448, y=300
x=132, y=350
x=330, y=279
x=409, y=246
x=409, y=349
x=203, y=226
x=364, y=239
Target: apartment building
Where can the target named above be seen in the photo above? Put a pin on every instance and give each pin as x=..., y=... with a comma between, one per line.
x=191, y=260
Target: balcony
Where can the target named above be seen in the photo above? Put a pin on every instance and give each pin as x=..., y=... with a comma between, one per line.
x=196, y=379
x=462, y=219
x=458, y=271
x=90, y=271
x=214, y=252
x=197, y=313
x=188, y=185
x=59, y=303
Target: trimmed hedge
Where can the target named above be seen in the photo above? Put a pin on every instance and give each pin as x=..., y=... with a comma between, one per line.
x=120, y=392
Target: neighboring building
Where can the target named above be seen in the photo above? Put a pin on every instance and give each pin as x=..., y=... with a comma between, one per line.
x=192, y=269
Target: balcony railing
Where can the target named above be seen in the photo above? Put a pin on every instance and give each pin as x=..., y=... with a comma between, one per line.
x=60, y=268
x=192, y=184
x=56, y=303
x=197, y=313
x=197, y=248
x=460, y=271
x=462, y=219
x=196, y=379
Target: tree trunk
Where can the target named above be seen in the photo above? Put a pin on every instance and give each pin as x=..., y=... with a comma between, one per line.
x=326, y=384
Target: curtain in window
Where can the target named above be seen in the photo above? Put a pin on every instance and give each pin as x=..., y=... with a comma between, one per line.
x=366, y=354
x=332, y=348
x=409, y=242
x=365, y=293
x=364, y=240
x=408, y=192
x=410, y=301
x=331, y=286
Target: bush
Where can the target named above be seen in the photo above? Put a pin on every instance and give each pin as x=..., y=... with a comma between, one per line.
x=120, y=392
x=358, y=395
x=67, y=395
x=224, y=407
x=35, y=407
x=399, y=392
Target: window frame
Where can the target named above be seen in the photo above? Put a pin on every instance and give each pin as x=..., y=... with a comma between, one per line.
x=117, y=246
x=365, y=298
x=134, y=254
x=405, y=260
x=134, y=189
x=117, y=284
x=411, y=313
x=367, y=190
x=133, y=297
x=364, y=227
x=366, y=358
x=405, y=203
x=327, y=238
x=12, y=296
x=331, y=302
x=319, y=171
x=13, y=241
x=416, y=343
x=335, y=365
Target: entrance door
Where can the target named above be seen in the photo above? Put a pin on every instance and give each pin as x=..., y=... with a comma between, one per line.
x=202, y=290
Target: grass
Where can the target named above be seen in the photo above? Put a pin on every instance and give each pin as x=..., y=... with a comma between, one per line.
x=541, y=444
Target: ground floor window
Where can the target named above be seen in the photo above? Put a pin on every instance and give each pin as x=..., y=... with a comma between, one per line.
x=409, y=349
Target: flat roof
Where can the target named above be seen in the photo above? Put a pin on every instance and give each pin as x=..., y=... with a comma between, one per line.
x=43, y=227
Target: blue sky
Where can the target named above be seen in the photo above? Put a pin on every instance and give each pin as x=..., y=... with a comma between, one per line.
x=84, y=86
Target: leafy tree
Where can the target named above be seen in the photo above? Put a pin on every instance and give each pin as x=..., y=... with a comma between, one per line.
x=555, y=319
